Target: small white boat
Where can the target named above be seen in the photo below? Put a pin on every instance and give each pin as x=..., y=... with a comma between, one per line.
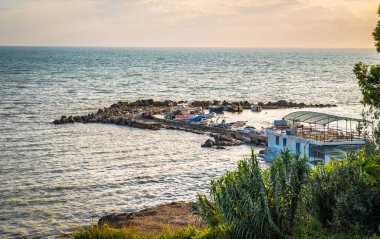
x=237, y=124
x=256, y=108
x=248, y=129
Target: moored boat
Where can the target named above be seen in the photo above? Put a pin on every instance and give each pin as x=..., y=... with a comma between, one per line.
x=237, y=124
x=256, y=108
x=183, y=112
x=183, y=117
x=233, y=108
x=216, y=108
x=198, y=118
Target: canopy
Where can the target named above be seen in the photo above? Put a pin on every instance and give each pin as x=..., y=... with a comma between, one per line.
x=316, y=117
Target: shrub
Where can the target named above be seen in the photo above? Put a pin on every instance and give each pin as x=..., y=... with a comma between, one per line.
x=345, y=195
x=250, y=203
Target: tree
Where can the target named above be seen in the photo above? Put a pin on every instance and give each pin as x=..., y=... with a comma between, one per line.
x=376, y=33
x=369, y=83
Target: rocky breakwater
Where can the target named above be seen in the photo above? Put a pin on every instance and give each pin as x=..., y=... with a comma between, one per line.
x=140, y=114
x=123, y=111
x=134, y=114
x=280, y=104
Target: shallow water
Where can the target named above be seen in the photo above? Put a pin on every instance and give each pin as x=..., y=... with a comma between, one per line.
x=57, y=177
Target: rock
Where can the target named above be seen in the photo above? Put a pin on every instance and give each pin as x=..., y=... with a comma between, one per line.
x=70, y=119
x=123, y=121
x=150, y=101
x=77, y=119
x=118, y=121
x=208, y=143
x=224, y=103
x=282, y=103
x=228, y=138
x=154, y=220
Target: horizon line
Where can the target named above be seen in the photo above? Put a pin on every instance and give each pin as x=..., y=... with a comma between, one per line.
x=184, y=47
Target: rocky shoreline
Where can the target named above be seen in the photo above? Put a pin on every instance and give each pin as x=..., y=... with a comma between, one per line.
x=153, y=221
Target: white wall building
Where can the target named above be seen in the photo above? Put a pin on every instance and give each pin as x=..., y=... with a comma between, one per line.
x=315, y=135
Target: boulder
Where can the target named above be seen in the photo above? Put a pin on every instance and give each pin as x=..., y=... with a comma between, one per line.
x=70, y=120
x=208, y=143
x=282, y=103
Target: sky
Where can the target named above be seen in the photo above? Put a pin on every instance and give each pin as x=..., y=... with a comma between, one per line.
x=189, y=23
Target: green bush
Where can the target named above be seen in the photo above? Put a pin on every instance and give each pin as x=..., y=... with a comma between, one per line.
x=250, y=203
x=345, y=195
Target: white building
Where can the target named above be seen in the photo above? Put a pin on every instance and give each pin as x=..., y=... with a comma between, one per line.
x=315, y=135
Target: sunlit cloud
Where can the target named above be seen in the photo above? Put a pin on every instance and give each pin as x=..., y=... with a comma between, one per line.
x=193, y=23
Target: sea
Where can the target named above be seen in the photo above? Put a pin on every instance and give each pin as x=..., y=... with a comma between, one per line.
x=57, y=178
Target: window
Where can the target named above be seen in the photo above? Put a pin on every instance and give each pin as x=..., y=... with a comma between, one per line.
x=277, y=140
x=298, y=148
x=315, y=154
x=284, y=142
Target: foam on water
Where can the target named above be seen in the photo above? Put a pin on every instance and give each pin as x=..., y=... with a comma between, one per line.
x=56, y=177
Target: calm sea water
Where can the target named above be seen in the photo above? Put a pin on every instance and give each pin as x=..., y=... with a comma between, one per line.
x=55, y=178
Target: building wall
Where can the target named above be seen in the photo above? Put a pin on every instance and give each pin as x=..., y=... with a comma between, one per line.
x=291, y=143
x=304, y=145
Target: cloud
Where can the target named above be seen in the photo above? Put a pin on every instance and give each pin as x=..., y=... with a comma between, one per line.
x=245, y=23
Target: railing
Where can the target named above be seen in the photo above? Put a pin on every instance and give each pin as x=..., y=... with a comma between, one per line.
x=330, y=135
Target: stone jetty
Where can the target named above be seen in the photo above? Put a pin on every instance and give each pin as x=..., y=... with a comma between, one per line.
x=141, y=114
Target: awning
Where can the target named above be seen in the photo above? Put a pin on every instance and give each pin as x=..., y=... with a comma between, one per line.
x=317, y=117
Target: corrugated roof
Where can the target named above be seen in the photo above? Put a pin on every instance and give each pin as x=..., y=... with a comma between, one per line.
x=316, y=117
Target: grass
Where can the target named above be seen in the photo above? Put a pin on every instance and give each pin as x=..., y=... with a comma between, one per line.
x=190, y=232
x=106, y=232
x=307, y=229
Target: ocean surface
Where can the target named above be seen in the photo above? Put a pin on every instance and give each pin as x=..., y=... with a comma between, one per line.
x=55, y=178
